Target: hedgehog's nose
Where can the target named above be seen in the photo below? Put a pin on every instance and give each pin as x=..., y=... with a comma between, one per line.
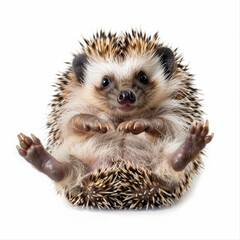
x=126, y=96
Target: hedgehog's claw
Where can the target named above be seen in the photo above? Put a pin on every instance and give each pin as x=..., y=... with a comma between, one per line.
x=134, y=126
x=208, y=139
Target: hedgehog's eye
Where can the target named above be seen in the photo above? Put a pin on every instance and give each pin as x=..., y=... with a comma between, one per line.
x=105, y=82
x=143, y=78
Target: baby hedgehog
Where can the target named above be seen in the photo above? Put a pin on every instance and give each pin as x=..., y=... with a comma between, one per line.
x=125, y=129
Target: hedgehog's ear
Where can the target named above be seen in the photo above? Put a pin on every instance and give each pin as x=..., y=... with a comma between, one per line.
x=79, y=66
x=166, y=57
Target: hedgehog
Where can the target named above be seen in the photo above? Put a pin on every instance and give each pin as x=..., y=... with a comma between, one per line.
x=126, y=128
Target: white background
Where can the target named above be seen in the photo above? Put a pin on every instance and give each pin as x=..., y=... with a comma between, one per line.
x=37, y=37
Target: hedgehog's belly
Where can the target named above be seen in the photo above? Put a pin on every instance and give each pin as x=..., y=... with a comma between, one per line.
x=134, y=149
x=103, y=150
x=137, y=150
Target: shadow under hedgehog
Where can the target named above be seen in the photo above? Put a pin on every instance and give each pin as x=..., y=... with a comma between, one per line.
x=125, y=128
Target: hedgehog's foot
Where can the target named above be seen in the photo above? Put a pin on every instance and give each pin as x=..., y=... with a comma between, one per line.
x=136, y=126
x=33, y=151
x=196, y=140
x=83, y=123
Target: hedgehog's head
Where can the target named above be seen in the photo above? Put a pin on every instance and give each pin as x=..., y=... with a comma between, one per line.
x=128, y=82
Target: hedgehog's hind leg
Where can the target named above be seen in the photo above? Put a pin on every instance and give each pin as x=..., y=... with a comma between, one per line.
x=194, y=143
x=33, y=151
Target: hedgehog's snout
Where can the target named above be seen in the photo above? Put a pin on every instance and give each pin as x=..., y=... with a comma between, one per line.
x=126, y=97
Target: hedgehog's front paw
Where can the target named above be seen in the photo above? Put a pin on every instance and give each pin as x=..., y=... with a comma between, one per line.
x=84, y=123
x=33, y=151
x=98, y=126
x=135, y=126
x=194, y=143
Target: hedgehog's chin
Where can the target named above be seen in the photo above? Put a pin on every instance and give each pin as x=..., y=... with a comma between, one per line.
x=126, y=108
x=128, y=111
